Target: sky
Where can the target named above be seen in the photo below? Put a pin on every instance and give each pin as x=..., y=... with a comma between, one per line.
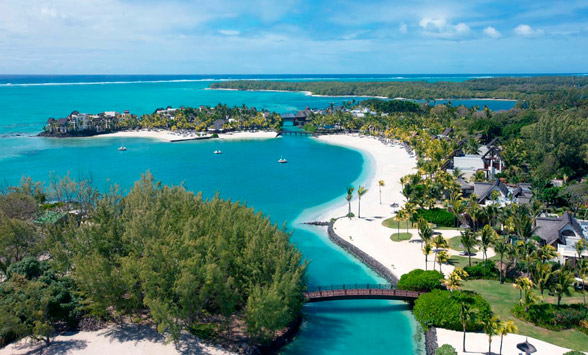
x=292, y=36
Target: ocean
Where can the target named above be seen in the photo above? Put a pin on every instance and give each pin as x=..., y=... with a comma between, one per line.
x=246, y=171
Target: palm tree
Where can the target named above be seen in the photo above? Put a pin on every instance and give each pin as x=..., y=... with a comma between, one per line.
x=427, y=248
x=486, y=237
x=348, y=197
x=581, y=246
x=442, y=257
x=528, y=300
x=469, y=239
x=425, y=230
x=454, y=280
x=562, y=281
x=544, y=253
x=467, y=314
x=360, y=192
x=500, y=247
x=505, y=328
x=583, y=274
x=490, y=329
x=439, y=243
x=523, y=284
x=380, y=185
x=542, y=275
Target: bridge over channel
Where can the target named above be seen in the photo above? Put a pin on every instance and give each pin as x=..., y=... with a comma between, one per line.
x=359, y=291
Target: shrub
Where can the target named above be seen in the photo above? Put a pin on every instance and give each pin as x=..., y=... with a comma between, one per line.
x=420, y=280
x=214, y=135
x=438, y=216
x=486, y=270
x=446, y=349
x=549, y=316
x=441, y=308
x=574, y=352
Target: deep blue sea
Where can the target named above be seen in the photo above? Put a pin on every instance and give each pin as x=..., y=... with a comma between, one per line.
x=247, y=171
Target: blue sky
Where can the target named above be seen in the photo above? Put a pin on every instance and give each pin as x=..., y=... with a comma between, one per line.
x=292, y=36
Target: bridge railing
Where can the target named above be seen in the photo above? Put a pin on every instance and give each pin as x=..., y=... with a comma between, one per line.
x=365, y=286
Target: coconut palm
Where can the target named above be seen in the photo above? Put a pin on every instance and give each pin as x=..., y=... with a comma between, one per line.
x=425, y=230
x=442, y=257
x=490, y=329
x=456, y=205
x=501, y=248
x=542, y=274
x=524, y=284
x=528, y=300
x=360, y=192
x=348, y=197
x=380, y=185
x=486, y=237
x=544, y=253
x=583, y=274
x=505, y=328
x=426, y=249
x=454, y=280
x=467, y=314
x=581, y=246
x=561, y=283
x=469, y=239
x=439, y=242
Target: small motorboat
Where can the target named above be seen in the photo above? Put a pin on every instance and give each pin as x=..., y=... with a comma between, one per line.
x=218, y=152
x=282, y=160
x=122, y=148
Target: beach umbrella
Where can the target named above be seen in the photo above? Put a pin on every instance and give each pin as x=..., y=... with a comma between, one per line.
x=526, y=347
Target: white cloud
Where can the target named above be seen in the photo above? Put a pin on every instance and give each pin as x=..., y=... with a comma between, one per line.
x=441, y=28
x=527, y=31
x=403, y=28
x=492, y=32
x=229, y=32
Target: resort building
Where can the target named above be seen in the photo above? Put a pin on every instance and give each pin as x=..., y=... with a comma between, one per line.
x=487, y=160
x=562, y=232
x=504, y=195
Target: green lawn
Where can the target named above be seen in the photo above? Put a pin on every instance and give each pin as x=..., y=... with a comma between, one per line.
x=393, y=223
x=455, y=244
x=448, y=228
x=398, y=237
x=503, y=297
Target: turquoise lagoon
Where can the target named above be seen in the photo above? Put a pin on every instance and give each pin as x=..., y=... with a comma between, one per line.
x=247, y=171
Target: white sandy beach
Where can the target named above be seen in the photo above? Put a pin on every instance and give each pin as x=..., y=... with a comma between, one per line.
x=389, y=163
x=477, y=343
x=168, y=136
x=129, y=340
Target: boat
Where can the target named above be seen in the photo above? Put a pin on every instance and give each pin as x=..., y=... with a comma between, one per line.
x=218, y=152
x=282, y=160
x=122, y=148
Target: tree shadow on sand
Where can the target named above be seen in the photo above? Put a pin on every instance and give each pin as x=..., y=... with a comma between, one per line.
x=58, y=347
x=187, y=344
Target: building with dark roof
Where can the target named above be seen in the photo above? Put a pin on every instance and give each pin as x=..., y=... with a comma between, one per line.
x=556, y=230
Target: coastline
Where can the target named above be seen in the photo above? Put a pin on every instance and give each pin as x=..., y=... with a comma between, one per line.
x=310, y=93
x=170, y=136
x=389, y=162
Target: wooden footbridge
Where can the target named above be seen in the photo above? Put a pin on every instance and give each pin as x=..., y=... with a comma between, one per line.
x=358, y=292
x=295, y=133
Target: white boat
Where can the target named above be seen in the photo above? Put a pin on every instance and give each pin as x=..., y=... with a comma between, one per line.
x=282, y=160
x=122, y=148
x=218, y=152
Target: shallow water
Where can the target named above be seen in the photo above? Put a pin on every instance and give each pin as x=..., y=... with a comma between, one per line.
x=246, y=171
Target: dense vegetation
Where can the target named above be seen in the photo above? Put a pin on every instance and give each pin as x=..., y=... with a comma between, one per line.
x=427, y=309
x=420, y=280
x=160, y=251
x=518, y=88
